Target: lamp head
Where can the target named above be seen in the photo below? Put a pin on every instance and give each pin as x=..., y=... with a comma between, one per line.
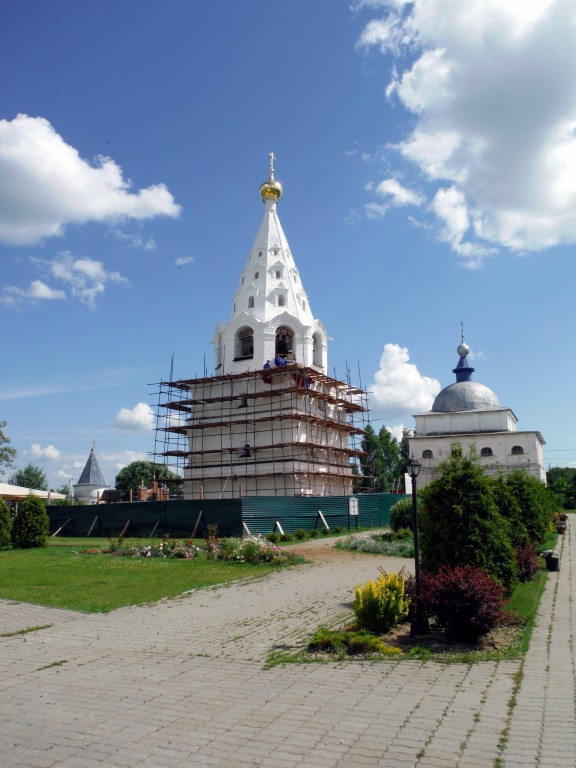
x=413, y=467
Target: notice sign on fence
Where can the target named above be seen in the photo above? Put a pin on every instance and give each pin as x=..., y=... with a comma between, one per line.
x=352, y=506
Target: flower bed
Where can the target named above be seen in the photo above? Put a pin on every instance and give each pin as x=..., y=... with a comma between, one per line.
x=249, y=549
x=379, y=544
x=169, y=548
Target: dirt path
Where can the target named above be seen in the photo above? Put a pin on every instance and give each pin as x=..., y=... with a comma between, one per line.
x=324, y=550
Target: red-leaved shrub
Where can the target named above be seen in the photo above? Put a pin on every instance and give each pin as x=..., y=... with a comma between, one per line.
x=466, y=601
x=527, y=559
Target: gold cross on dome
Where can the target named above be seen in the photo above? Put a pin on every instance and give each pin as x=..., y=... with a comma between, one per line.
x=272, y=157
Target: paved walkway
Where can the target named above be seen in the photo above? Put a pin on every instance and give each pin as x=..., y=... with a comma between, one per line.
x=182, y=683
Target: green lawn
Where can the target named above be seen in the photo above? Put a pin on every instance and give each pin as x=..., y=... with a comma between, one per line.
x=62, y=575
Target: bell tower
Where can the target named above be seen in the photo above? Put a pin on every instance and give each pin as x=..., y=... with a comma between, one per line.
x=270, y=421
x=271, y=316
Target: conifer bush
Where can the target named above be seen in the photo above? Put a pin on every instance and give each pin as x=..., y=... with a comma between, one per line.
x=31, y=525
x=460, y=523
x=509, y=507
x=381, y=604
x=401, y=514
x=537, y=503
x=466, y=601
x=5, y=524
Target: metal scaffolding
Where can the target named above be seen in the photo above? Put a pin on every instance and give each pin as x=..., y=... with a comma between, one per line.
x=286, y=431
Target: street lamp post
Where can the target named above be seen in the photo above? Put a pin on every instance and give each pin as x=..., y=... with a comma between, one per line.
x=419, y=624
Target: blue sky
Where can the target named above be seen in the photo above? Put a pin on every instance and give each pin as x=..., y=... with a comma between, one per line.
x=427, y=153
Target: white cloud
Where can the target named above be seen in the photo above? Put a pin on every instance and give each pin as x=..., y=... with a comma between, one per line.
x=138, y=418
x=85, y=278
x=395, y=195
x=451, y=209
x=136, y=241
x=46, y=185
x=396, y=430
x=398, y=195
x=183, y=260
x=399, y=389
x=491, y=87
x=38, y=291
x=49, y=453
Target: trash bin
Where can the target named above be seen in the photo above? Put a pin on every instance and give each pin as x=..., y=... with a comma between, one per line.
x=552, y=562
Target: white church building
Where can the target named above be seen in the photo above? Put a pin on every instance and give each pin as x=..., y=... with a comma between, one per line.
x=270, y=421
x=469, y=414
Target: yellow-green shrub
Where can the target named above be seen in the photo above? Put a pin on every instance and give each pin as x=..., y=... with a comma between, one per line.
x=379, y=605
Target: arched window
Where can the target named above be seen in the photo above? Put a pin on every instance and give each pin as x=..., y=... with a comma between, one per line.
x=486, y=452
x=427, y=454
x=250, y=302
x=317, y=350
x=244, y=344
x=517, y=450
x=284, y=339
x=219, y=352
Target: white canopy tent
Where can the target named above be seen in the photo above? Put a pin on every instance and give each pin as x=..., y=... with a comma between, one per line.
x=18, y=493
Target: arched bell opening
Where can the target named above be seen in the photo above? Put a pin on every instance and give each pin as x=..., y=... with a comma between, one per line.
x=317, y=350
x=284, y=343
x=244, y=344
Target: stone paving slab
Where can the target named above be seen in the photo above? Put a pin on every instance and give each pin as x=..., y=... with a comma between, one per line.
x=182, y=683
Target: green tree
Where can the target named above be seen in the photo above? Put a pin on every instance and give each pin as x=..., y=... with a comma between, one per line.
x=380, y=464
x=461, y=524
x=143, y=473
x=405, y=448
x=31, y=524
x=562, y=482
x=7, y=453
x=30, y=477
x=510, y=508
x=571, y=500
x=538, y=503
x=5, y=524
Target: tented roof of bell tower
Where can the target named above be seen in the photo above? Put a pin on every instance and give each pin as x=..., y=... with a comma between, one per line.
x=271, y=317
x=270, y=283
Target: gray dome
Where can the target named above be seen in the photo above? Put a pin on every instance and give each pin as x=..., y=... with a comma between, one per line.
x=465, y=396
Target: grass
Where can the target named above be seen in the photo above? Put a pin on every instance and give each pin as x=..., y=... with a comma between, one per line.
x=61, y=575
x=25, y=631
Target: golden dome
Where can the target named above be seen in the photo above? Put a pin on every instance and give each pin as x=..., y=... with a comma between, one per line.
x=271, y=189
